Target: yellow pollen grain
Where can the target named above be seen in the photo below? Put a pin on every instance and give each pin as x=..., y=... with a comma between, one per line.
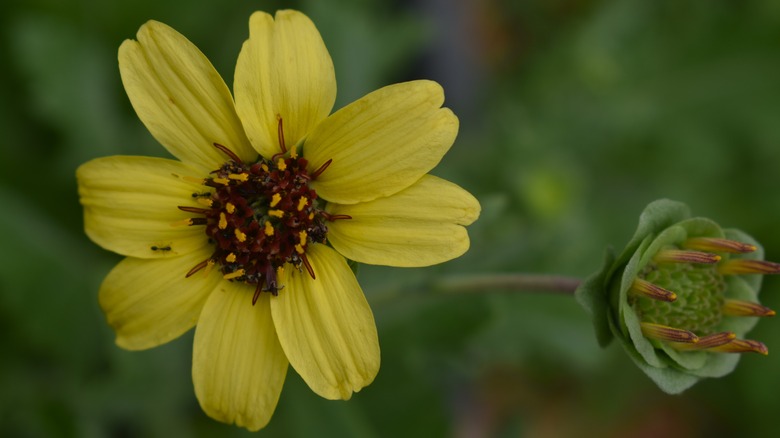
x=230, y=208
x=294, y=152
x=275, y=213
x=281, y=165
x=209, y=267
x=223, y=181
x=275, y=199
x=239, y=176
x=264, y=167
x=240, y=235
x=182, y=223
x=279, y=271
x=299, y=249
x=302, y=235
x=205, y=201
x=237, y=273
x=192, y=179
x=302, y=203
x=230, y=258
x=311, y=215
x=222, y=221
x=269, y=229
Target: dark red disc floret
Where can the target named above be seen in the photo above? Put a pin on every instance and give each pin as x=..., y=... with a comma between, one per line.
x=261, y=216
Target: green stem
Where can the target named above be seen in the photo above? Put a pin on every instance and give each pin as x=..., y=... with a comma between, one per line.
x=507, y=282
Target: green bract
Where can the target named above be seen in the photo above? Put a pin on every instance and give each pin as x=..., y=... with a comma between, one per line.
x=701, y=289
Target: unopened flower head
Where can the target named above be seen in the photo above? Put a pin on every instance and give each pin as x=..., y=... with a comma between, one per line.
x=681, y=296
x=248, y=234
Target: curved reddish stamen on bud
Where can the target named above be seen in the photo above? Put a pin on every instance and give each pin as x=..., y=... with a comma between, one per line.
x=646, y=289
x=682, y=256
x=742, y=346
x=712, y=244
x=748, y=266
x=668, y=334
x=706, y=342
x=745, y=308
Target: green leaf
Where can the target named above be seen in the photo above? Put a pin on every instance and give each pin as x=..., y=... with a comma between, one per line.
x=592, y=295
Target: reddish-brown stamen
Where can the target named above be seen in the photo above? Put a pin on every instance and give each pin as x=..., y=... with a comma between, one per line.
x=258, y=290
x=308, y=266
x=668, y=334
x=321, y=169
x=195, y=210
x=706, y=342
x=713, y=244
x=748, y=266
x=197, y=268
x=229, y=153
x=682, y=256
x=280, y=133
x=646, y=289
x=733, y=307
x=742, y=346
x=335, y=217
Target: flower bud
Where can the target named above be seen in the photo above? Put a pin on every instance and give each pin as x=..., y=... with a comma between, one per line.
x=680, y=297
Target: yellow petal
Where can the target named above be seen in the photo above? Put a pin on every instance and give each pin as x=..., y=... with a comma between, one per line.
x=150, y=302
x=283, y=70
x=238, y=367
x=381, y=143
x=419, y=226
x=131, y=202
x=326, y=327
x=180, y=97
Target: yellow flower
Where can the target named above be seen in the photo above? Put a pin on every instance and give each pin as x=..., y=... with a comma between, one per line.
x=269, y=194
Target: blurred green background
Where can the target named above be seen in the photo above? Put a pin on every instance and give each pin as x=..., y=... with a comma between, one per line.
x=574, y=115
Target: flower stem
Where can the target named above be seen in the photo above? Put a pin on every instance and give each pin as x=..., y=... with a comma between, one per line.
x=507, y=282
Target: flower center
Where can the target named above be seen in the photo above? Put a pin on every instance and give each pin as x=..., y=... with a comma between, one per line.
x=260, y=217
x=699, y=289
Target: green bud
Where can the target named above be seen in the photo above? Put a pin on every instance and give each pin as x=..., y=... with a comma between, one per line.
x=680, y=297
